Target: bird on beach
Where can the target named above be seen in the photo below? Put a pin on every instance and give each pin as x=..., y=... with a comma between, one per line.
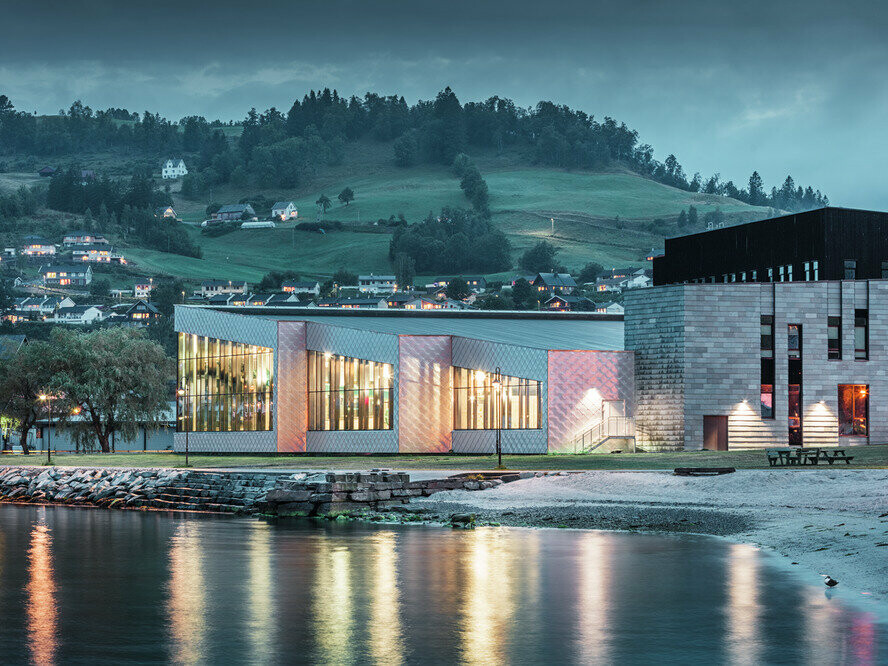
x=829, y=581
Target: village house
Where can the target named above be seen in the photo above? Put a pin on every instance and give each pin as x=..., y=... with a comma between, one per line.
x=210, y=288
x=140, y=313
x=616, y=284
x=260, y=300
x=47, y=172
x=83, y=238
x=165, y=213
x=143, y=289
x=554, y=283
x=475, y=283
x=66, y=275
x=568, y=303
x=39, y=307
x=234, y=212
x=372, y=302
x=93, y=253
x=399, y=299
x=426, y=303
x=611, y=307
x=377, y=284
x=284, y=210
x=78, y=315
x=301, y=287
x=36, y=246
x=173, y=168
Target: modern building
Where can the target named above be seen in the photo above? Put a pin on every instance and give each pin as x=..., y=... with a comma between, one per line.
x=377, y=284
x=306, y=380
x=824, y=244
x=760, y=365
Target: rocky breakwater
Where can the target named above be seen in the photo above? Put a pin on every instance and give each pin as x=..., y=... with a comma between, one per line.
x=181, y=490
x=354, y=493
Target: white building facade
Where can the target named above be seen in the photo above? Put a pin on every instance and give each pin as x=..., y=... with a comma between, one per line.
x=173, y=168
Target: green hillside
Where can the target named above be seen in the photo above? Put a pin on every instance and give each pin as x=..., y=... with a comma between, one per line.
x=604, y=217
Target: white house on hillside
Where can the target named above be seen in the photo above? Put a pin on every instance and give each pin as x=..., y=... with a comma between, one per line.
x=284, y=210
x=377, y=284
x=78, y=314
x=173, y=168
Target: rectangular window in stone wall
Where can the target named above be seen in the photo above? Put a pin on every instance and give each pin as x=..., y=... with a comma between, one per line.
x=834, y=338
x=861, y=335
x=853, y=409
x=346, y=393
x=224, y=386
x=479, y=404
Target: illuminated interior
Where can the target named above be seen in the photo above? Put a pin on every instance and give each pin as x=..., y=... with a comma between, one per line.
x=224, y=386
x=476, y=396
x=347, y=393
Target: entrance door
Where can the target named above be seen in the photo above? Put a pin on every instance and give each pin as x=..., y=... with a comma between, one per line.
x=715, y=433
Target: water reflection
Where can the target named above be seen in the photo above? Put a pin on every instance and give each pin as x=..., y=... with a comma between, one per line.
x=187, y=609
x=386, y=640
x=192, y=590
x=743, y=611
x=41, y=589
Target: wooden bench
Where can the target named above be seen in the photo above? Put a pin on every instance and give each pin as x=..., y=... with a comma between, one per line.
x=837, y=455
x=782, y=457
x=801, y=456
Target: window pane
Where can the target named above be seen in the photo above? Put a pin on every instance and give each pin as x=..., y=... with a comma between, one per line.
x=347, y=393
x=480, y=405
x=853, y=409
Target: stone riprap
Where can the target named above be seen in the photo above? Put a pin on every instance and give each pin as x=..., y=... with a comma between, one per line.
x=331, y=494
x=181, y=490
x=275, y=493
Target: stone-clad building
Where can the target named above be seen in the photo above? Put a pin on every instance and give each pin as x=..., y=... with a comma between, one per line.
x=760, y=364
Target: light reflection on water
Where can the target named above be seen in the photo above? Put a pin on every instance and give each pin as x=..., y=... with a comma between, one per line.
x=109, y=587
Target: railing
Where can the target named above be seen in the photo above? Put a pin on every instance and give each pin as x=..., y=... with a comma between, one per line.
x=603, y=430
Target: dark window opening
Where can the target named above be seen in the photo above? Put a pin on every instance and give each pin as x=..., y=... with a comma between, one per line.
x=850, y=270
x=885, y=270
x=834, y=338
x=853, y=409
x=794, y=340
x=767, y=392
x=767, y=336
x=861, y=335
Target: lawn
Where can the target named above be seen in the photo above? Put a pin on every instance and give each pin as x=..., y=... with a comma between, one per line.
x=864, y=457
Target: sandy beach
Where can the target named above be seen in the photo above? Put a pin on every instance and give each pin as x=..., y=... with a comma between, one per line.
x=825, y=521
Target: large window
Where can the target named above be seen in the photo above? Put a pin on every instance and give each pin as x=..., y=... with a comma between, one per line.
x=478, y=404
x=861, y=335
x=834, y=338
x=853, y=409
x=347, y=393
x=767, y=354
x=225, y=386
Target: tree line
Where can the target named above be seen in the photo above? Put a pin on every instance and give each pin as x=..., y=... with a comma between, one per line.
x=285, y=149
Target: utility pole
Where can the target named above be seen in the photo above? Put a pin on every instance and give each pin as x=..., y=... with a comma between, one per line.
x=552, y=221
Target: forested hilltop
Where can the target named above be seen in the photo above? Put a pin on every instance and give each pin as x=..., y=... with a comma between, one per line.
x=276, y=149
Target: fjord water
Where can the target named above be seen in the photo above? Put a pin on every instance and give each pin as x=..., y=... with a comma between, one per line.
x=97, y=587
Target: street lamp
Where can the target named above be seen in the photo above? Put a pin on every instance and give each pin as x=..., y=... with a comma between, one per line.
x=182, y=393
x=497, y=415
x=47, y=398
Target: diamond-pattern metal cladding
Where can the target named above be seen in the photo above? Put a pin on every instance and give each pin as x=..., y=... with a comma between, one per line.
x=291, y=387
x=578, y=383
x=425, y=406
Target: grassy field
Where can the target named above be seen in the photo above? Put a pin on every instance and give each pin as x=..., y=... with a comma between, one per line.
x=864, y=457
x=604, y=217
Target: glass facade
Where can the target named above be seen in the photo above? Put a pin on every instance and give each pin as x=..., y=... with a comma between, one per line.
x=224, y=386
x=475, y=400
x=347, y=393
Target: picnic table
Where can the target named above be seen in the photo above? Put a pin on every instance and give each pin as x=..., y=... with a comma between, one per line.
x=806, y=456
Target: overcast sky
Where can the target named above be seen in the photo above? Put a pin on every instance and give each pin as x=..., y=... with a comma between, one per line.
x=782, y=87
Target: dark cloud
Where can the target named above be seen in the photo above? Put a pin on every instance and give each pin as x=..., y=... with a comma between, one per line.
x=782, y=87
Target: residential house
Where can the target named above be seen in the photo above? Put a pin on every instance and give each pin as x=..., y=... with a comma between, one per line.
x=609, y=308
x=140, y=313
x=554, y=283
x=528, y=278
x=617, y=284
x=66, y=275
x=209, y=288
x=47, y=172
x=165, y=213
x=399, y=299
x=143, y=290
x=92, y=253
x=312, y=287
x=83, y=238
x=426, y=303
x=475, y=283
x=369, y=302
x=78, y=315
x=568, y=303
x=173, y=168
x=40, y=307
x=36, y=246
x=620, y=272
x=234, y=212
x=7, y=254
x=260, y=300
x=120, y=294
x=637, y=279
x=377, y=284
x=284, y=210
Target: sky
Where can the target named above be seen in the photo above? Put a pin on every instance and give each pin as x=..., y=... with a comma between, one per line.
x=782, y=87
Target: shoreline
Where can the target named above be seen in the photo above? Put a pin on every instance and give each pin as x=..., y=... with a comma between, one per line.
x=821, y=522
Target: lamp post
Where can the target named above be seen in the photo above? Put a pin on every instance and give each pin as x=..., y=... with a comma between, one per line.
x=182, y=393
x=497, y=415
x=47, y=398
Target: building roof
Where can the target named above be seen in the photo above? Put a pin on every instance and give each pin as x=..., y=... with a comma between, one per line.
x=282, y=204
x=539, y=330
x=376, y=278
x=82, y=267
x=300, y=284
x=234, y=208
x=10, y=344
x=556, y=279
x=222, y=283
x=75, y=309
